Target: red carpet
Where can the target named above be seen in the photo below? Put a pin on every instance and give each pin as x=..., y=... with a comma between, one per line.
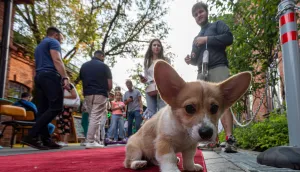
x=93, y=160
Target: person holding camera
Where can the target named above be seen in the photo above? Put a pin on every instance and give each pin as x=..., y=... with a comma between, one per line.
x=209, y=55
x=133, y=99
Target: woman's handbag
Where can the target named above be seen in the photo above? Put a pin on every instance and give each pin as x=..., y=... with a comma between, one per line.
x=151, y=89
x=71, y=102
x=152, y=93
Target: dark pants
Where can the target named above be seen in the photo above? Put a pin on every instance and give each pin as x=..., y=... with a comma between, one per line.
x=49, y=98
x=134, y=115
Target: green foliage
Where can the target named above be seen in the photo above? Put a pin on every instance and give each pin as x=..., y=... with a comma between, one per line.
x=256, y=35
x=260, y=136
x=222, y=136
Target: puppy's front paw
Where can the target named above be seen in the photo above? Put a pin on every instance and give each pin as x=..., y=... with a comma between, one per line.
x=138, y=165
x=197, y=167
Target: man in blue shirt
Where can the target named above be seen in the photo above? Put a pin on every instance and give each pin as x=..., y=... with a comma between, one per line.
x=50, y=79
x=29, y=106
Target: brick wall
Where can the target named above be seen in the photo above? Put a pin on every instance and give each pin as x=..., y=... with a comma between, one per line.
x=25, y=75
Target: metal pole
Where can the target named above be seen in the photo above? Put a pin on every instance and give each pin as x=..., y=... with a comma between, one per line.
x=291, y=65
x=288, y=156
x=8, y=4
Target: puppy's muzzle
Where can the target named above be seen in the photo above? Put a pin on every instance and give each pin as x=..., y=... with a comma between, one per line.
x=206, y=132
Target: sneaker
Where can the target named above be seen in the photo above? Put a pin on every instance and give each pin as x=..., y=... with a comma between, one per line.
x=33, y=142
x=93, y=145
x=63, y=144
x=110, y=140
x=230, y=146
x=210, y=147
x=83, y=143
x=223, y=144
x=51, y=144
x=101, y=143
x=60, y=142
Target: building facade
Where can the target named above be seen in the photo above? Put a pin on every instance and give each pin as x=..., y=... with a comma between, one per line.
x=20, y=70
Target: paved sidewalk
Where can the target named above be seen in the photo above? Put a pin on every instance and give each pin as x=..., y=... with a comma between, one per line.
x=241, y=161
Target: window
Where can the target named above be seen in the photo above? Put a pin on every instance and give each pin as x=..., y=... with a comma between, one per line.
x=15, y=90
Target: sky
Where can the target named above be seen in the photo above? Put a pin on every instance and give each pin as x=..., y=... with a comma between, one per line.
x=183, y=30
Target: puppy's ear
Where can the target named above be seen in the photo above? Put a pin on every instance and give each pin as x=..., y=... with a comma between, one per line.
x=168, y=82
x=235, y=87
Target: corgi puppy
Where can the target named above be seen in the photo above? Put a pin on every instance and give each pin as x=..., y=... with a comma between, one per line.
x=191, y=116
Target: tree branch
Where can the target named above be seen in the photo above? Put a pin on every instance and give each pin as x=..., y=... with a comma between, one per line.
x=118, y=53
x=75, y=48
x=110, y=26
x=140, y=21
x=28, y=15
x=33, y=15
x=49, y=13
x=74, y=53
x=69, y=52
x=22, y=15
x=130, y=39
x=99, y=6
x=32, y=25
x=132, y=34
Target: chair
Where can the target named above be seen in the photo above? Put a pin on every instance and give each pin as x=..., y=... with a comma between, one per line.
x=24, y=122
x=21, y=119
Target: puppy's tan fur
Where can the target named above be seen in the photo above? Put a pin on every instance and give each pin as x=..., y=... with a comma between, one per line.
x=173, y=129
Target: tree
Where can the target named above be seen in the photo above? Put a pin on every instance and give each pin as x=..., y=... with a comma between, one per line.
x=119, y=28
x=256, y=36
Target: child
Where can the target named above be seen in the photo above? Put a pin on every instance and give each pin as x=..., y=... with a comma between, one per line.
x=118, y=107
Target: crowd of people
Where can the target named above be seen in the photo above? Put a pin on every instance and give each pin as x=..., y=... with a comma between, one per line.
x=127, y=111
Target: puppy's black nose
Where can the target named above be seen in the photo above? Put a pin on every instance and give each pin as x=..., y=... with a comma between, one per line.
x=206, y=132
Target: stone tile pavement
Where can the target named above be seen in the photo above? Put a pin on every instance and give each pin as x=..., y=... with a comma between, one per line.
x=241, y=161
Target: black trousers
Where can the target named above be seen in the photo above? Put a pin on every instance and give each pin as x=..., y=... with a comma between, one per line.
x=49, y=101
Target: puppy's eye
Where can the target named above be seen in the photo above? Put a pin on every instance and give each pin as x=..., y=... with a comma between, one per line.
x=214, y=108
x=190, y=109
